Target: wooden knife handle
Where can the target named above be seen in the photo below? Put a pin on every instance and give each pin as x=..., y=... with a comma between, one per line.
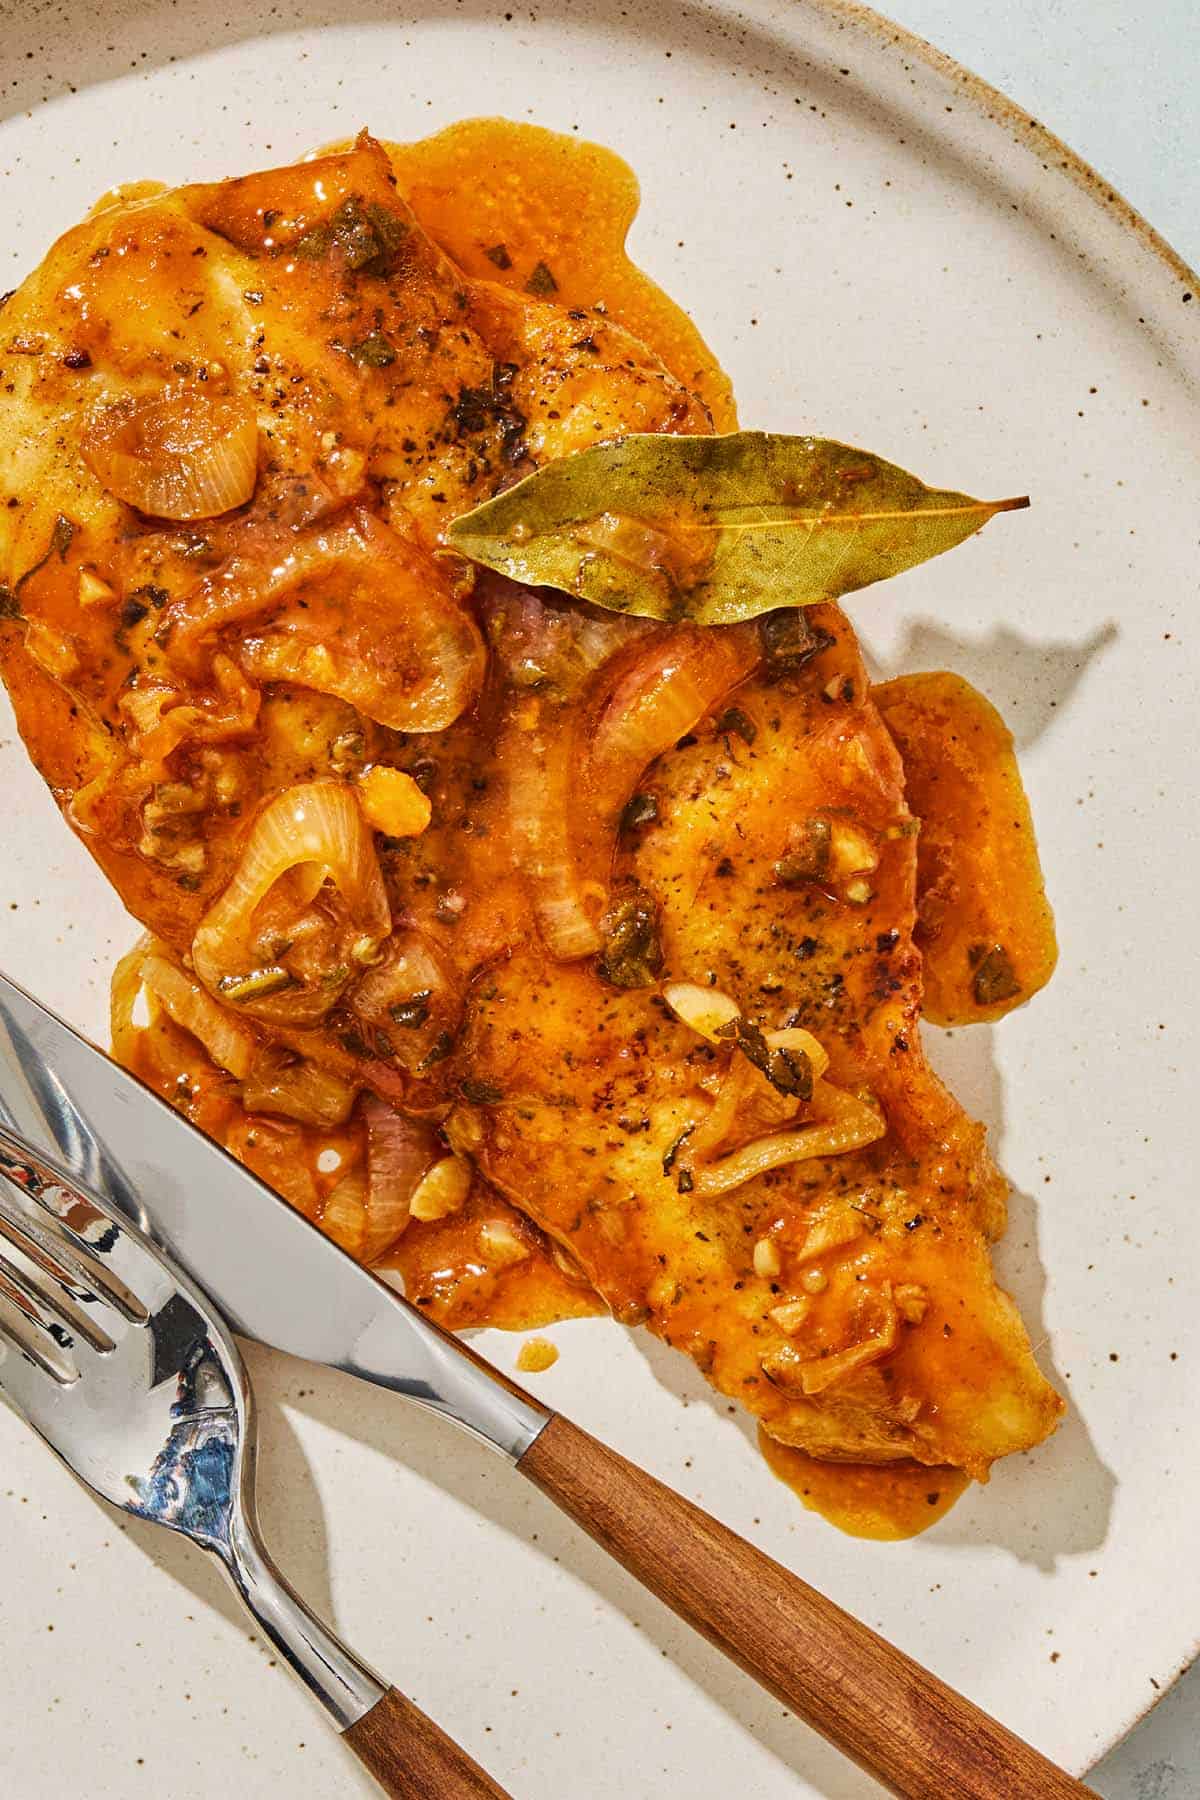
x=412, y=1758
x=900, y=1723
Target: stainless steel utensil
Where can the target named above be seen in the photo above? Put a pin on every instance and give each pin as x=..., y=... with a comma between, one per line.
x=125, y=1369
x=278, y=1279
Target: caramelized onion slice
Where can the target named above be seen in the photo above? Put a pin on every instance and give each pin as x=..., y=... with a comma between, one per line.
x=570, y=777
x=411, y=995
x=400, y=1153
x=147, y=967
x=298, y=1089
x=231, y=1045
x=181, y=454
x=350, y=609
x=856, y=1124
x=317, y=822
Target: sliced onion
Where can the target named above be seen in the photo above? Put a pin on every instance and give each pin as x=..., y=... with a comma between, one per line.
x=716, y=1126
x=410, y=995
x=344, y=1215
x=541, y=794
x=793, y=1038
x=788, y=1369
x=400, y=1153
x=229, y=1044
x=374, y=623
x=857, y=1123
x=123, y=997
x=655, y=702
x=569, y=779
x=316, y=822
x=298, y=1089
x=181, y=454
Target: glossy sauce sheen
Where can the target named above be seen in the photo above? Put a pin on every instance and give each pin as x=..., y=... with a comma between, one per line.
x=887, y=1504
x=582, y=1085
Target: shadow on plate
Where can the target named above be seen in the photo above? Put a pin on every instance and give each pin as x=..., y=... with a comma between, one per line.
x=1054, y=1501
x=1031, y=681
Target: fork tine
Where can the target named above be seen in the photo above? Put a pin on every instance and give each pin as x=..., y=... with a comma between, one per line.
x=21, y=1328
x=47, y=1296
x=59, y=1250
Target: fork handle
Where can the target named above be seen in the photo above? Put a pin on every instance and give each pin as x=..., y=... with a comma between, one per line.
x=412, y=1758
x=896, y=1720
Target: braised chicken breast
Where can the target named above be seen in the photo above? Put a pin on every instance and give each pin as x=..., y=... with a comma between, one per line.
x=565, y=961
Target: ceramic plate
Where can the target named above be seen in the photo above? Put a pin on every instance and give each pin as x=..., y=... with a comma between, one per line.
x=885, y=251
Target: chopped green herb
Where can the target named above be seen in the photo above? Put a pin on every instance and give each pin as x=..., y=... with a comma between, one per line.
x=788, y=1071
x=640, y=809
x=668, y=1161
x=541, y=281
x=481, y=1093
x=632, y=956
x=254, y=986
x=367, y=238
x=790, y=640
x=808, y=859
x=62, y=531
x=372, y=352
x=60, y=537
x=413, y=1012
x=995, y=978
x=734, y=721
x=438, y=1051
x=498, y=254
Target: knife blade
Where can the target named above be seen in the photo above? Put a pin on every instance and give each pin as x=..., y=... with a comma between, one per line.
x=279, y=1280
x=271, y=1272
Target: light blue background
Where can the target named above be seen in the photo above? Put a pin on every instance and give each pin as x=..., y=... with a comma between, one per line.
x=1121, y=85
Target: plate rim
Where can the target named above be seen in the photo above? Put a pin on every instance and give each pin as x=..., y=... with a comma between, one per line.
x=998, y=107
x=1033, y=135
x=991, y=107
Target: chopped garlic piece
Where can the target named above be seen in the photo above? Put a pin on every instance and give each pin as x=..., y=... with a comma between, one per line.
x=662, y=1292
x=500, y=1243
x=706, y=1010
x=912, y=1302
x=392, y=802
x=851, y=850
x=791, y=1315
x=830, y=1233
x=93, y=591
x=767, y=1260
x=814, y=1281
x=443, y=1191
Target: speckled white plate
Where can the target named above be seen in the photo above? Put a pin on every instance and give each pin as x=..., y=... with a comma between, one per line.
x=884, y=250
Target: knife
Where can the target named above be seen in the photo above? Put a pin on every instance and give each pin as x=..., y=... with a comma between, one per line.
x=74, y=1108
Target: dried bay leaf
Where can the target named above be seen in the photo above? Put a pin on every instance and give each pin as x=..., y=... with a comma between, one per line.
x=715, y=529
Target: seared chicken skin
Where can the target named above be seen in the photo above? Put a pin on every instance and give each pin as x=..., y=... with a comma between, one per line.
x=480, y=917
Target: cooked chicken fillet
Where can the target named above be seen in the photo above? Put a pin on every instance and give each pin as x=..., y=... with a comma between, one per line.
x=617, y=915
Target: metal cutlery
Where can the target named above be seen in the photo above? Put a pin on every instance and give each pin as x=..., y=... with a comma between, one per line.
x=126, y=1371
x=67, y=1103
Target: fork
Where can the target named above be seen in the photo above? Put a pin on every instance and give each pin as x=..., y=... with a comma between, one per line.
x=127, y=1372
